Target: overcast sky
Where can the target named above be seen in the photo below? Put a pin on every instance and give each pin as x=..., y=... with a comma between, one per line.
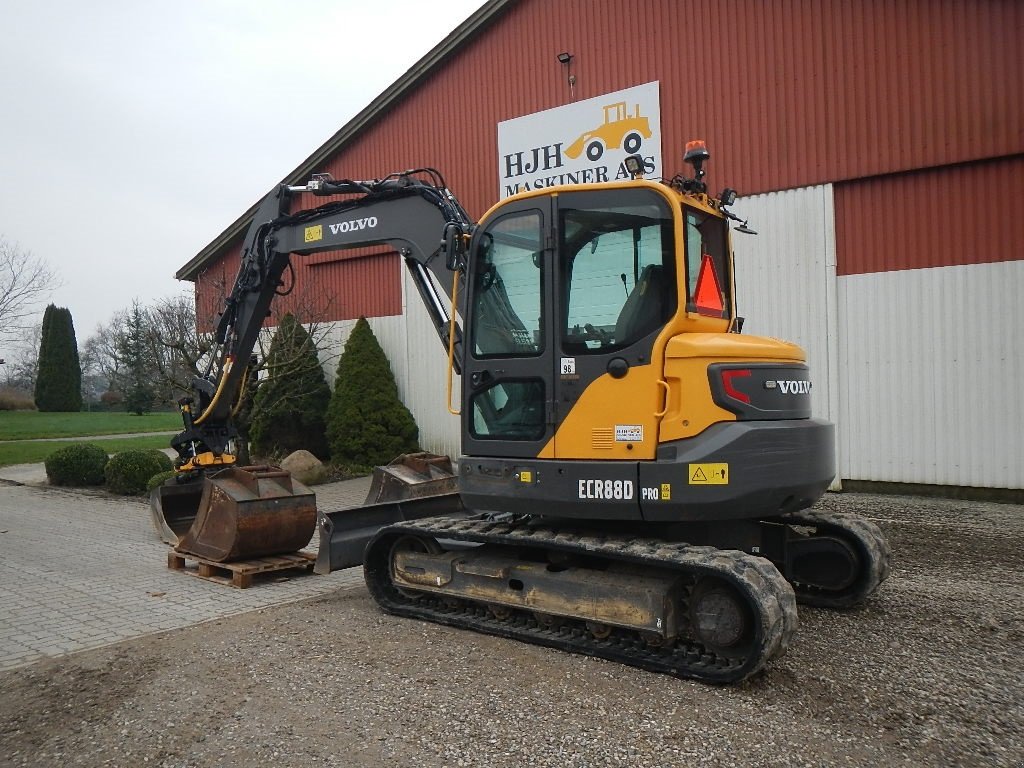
x=132, y=133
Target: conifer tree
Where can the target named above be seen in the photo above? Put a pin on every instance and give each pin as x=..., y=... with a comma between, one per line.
x=59, y=380
x=136, y=357
x=291, y=404
x=367, y=423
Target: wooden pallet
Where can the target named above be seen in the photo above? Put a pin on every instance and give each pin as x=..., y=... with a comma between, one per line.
x=240, y=574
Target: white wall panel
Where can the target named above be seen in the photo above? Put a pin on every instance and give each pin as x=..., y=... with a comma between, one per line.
x=931, y=366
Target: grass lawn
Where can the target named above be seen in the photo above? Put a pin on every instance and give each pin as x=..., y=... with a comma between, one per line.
x=28, y=425
x=24, y=452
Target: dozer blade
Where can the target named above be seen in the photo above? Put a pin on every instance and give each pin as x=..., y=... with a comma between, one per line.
x=345, y=533
x=412, y=476
x=240, y=513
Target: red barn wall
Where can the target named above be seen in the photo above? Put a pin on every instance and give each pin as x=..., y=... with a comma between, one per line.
x=787, y=93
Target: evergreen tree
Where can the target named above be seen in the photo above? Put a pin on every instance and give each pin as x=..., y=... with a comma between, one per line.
x=367, y=424
x=291, y=403
x=59, y=379
x=136, y=358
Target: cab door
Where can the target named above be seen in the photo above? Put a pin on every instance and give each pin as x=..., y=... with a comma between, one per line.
x=507, y=376
x=616, y=278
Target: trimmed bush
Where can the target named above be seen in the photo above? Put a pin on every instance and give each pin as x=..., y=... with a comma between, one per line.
x=159, y=479
x=78, y=464
x=129, y=472
x=367, y=423
x=165, y=461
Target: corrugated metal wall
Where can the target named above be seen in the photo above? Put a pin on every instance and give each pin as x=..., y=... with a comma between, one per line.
x=786, y=281
x=931, y=362
x=787, y=93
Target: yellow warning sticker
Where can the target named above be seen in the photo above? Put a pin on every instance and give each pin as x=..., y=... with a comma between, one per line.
x=312, y=234
x=709, y=474
x=666, y=491
x=525, y=476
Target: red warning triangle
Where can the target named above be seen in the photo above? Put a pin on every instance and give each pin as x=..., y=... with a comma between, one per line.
x=708, y=296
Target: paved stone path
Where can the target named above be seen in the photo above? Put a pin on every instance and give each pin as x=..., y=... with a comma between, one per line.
x=81, y=570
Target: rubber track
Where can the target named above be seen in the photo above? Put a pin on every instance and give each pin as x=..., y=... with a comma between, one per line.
x=869, y=541
x=754, y=577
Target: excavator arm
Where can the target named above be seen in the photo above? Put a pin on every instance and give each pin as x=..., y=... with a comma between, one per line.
x=421, y=219
x=220, y=512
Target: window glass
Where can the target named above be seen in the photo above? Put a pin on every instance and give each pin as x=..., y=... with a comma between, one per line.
x=508, y=283
x=619, y=271
x=705, y=237
x=509, y=410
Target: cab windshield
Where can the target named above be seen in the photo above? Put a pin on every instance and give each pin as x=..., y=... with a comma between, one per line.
x=618, y=269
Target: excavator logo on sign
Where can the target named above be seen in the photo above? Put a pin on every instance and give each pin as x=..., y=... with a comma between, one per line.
x=709, y=474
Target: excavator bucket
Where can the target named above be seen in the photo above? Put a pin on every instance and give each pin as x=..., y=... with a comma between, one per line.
x=412, y=476
x=237, y=513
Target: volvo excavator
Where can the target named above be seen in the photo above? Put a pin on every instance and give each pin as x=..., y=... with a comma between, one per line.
x=635, y=476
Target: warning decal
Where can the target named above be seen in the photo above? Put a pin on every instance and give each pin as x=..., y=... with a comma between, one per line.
x=708, y=474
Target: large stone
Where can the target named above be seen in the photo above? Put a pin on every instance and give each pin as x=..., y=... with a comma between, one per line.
x=304, y=466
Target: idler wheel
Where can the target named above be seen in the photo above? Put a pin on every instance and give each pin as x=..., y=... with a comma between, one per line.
x=719, y=617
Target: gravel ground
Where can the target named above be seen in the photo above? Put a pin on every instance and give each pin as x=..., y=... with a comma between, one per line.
x=929, y=673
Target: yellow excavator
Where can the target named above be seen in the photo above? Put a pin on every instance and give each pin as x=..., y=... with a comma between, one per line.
x=635, y=474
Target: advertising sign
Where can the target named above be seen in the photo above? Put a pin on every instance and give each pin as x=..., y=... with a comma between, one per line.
x=581, y=143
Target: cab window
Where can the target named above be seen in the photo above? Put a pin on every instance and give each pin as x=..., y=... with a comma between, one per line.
x=618, y=270
x=508, y=283
x=707, y=277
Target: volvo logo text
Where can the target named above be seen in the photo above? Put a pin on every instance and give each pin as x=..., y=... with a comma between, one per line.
x=789, y=387
x=353, y=225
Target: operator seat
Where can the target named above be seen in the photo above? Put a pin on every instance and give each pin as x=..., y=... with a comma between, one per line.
x=644, y=308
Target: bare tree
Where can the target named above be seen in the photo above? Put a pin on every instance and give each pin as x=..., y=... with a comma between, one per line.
x=25, y=281
x=179, y=350
x=21, y=368
x=99, y=353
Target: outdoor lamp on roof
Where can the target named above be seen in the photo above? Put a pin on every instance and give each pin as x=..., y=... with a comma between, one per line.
x=635, y=166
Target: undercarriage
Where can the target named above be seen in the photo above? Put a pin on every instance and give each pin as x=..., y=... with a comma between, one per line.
x=694, y=608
